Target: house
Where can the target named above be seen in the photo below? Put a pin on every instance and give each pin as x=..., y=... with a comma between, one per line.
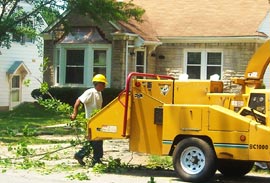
x=20, y=68
x=199, y=38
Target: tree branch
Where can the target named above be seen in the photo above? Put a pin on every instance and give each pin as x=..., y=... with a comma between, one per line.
x=36, y=10
x=4, y=4
x=13, y=9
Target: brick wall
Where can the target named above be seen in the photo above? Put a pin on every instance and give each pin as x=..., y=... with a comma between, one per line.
x=48, y=53
x=235, y=55
x=118, y=64
x=235, y=59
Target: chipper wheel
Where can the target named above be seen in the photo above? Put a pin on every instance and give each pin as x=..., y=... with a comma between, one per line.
x=194, y=160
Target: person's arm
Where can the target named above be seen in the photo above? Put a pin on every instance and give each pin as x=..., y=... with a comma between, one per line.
x=75, y=109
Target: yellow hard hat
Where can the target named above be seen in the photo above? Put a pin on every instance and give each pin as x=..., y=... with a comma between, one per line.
x=99, y=78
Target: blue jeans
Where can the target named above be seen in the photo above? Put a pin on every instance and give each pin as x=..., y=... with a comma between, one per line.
x=97, y=147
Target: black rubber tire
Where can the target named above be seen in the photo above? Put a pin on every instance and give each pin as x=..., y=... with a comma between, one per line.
x=234, y=168
x=194, y=160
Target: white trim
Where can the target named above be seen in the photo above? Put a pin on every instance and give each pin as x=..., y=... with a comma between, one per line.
x=88, y=66
x=57, y=57
x=115, y=26
x=152, y=43
x=203, y=64
x=125, y=34
x=11, y=103
x=213, y=39
x=107, y=65
x=49, y=28
x=144, y=59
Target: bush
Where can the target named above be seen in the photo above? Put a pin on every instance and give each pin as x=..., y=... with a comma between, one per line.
x=69, y=95
x=109, y=94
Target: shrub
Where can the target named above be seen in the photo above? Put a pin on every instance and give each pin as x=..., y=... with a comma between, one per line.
x=70, y=94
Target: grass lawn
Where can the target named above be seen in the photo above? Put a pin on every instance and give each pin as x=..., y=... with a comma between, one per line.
x=29, y=120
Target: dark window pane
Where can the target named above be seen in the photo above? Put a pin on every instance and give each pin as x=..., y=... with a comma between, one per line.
x=17, y=37
x=213, y=58
x=75, y=57
x=140, y=58
x=211, y=70
x=29, y=39
x=74, y=75
x=57, y=74
x=57, y=61
x=194, y=58
x=194, y=72
x=100, y=57
x=139, y=69
x=100, y=70
x=16, y=82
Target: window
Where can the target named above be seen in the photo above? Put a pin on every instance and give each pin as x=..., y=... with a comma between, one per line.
x=100, y=62
x=213, y=64
x=15, y=89
x=194, y=65
x=140, y=61
x=74, y=66
x=203, y=64
x=24, y=38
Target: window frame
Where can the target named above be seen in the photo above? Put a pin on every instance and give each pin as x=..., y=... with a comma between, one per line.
x=23, y=38
x=16, y=89
x=98, y=65
x=75, y=66
x=144, y=60
x=60, y=61
x=203, y=65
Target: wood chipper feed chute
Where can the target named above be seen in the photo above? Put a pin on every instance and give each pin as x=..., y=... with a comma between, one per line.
x=108, y=123
x=113, y=121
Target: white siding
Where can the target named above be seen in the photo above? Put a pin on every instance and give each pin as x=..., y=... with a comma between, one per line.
x=27, y=53
x=266, y=78
x=32, y=56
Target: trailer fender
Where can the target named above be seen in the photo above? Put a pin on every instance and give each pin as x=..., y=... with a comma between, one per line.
x=180, y=137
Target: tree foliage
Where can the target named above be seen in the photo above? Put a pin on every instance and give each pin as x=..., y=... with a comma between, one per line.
x=15, y=15
x=106, y=9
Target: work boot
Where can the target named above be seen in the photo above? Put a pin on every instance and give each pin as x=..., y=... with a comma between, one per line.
x=96, y=162
x=79, y=159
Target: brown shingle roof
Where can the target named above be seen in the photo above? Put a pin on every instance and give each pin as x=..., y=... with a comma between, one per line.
x=144, y=29
x=173, y=18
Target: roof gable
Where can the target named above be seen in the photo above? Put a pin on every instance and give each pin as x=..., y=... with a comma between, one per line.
x=79, y=27
x=18, y=67
x=84, y=35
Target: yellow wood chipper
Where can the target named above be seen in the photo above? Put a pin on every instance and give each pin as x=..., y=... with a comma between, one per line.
x=194, y=121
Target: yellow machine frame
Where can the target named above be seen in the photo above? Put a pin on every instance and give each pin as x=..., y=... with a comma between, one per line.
x=157, y=113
